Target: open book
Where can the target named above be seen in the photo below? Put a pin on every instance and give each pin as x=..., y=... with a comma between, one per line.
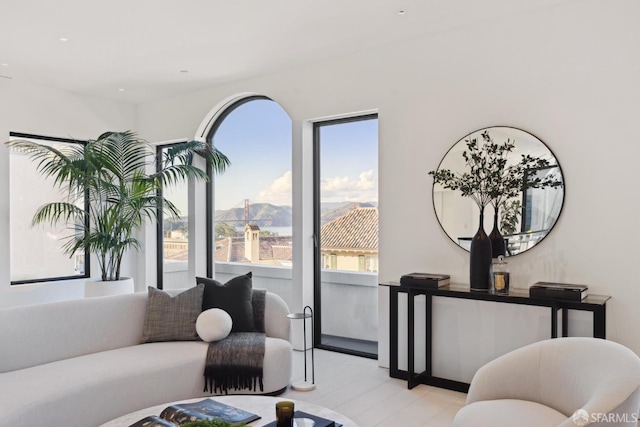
x=207, y=409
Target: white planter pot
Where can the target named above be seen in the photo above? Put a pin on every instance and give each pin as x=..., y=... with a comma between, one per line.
x=98, y=288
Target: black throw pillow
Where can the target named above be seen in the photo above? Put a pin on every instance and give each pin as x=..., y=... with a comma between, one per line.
x=234, y=297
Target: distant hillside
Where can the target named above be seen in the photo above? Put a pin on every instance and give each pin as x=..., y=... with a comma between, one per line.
x=262, y=214
x=181, y=223
x=268, y=215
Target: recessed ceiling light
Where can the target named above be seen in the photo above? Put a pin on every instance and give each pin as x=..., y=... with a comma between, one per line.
x=4, y=64
x=64, y=39
x=120, y=89
x=184, y=71
x=401, y=12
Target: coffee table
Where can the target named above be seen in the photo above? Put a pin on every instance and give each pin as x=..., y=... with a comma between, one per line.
x=260, y=405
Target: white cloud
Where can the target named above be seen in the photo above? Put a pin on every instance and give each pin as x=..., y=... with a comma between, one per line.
x=279, y=192
x=341, y=188
x=336, y=189
x=367, y=181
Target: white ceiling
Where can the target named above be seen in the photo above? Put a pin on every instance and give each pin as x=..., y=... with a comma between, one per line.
x=135, y=50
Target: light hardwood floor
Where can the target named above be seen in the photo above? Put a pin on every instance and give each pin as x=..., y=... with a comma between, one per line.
x=361, y=390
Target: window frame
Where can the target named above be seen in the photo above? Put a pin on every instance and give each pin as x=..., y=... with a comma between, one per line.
x=362, y=263
x=210, y=186
x=87, y=254
x=526, y=216
x=160, y=216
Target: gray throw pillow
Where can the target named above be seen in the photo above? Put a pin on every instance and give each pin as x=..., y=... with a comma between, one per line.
x=172, y=318
x=234, y=297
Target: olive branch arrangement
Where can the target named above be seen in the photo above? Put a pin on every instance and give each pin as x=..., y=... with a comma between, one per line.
x=489, y=180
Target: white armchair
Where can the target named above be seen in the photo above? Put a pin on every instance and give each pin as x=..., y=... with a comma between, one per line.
x=545, y=383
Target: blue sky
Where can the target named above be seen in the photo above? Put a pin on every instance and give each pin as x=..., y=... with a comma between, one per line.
x=349, y=161
x=256, y=137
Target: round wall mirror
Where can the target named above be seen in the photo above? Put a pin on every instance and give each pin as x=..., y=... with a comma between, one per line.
x=523, y=220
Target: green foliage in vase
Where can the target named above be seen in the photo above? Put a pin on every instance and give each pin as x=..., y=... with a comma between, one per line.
x=212, y=423
x=121, y=177
x=489, y=179
x=509, y=215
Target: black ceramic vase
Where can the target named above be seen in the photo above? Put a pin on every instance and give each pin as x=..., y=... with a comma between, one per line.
x=480, y=258
x=497, y=240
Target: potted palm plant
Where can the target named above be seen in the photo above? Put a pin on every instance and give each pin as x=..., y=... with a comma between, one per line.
x=120, y=176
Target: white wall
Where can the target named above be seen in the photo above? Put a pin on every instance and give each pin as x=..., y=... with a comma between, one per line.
x=44, y=111
x=569, y=75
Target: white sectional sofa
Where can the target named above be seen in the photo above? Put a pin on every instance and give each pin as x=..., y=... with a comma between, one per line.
x=80, y=363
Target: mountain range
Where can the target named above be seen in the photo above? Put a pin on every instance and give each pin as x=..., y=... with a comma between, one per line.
x=268, y=215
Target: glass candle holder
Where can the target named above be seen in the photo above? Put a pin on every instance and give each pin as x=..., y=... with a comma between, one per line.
x=284, y=413
x=499, y=276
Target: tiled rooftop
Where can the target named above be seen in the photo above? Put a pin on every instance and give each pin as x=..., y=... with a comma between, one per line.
x=231, y=249
x=358, y=229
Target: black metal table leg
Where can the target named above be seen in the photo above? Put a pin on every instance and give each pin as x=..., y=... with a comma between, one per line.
x=411, y=382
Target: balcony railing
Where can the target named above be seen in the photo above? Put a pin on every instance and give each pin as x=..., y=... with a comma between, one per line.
x=349, y=299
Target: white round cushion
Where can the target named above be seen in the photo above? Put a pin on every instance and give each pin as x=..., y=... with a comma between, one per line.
x=213, y=325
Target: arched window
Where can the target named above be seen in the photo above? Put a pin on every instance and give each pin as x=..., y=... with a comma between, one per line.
x=253, y=198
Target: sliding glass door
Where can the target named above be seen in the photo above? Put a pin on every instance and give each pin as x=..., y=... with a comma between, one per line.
x=346, y=231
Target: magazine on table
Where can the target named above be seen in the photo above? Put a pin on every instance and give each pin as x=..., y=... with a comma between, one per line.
x=207, y=409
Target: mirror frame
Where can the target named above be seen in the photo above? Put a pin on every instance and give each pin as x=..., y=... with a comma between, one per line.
x=478, y=132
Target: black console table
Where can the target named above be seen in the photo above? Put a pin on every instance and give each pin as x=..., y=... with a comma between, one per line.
x=593, y=303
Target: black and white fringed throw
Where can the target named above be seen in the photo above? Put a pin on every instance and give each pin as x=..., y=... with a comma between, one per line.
x=236, y=361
